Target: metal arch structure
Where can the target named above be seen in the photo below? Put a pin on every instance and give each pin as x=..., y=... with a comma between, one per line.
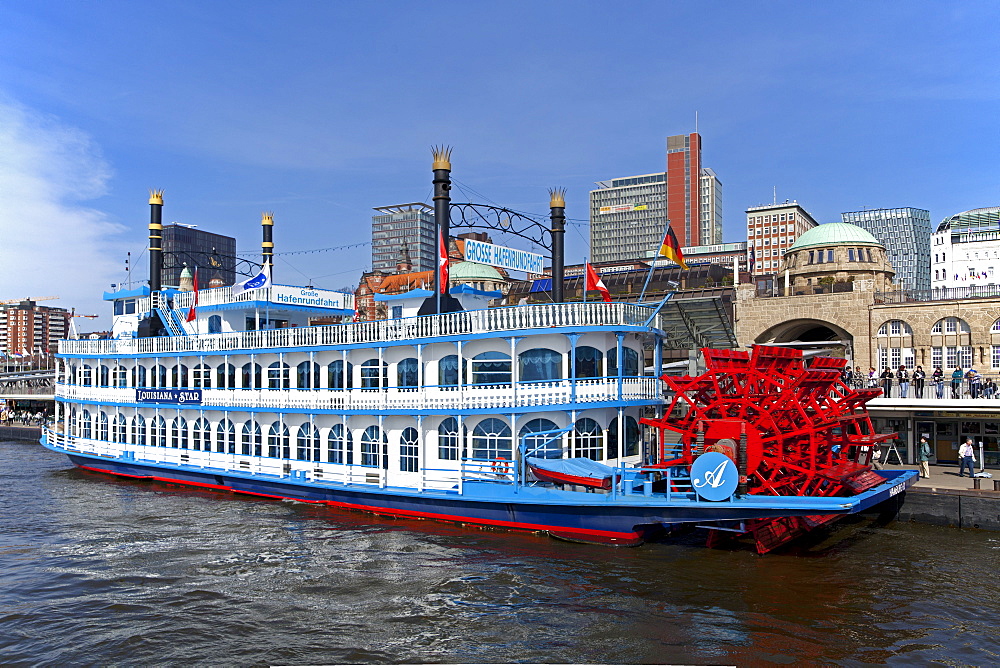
x=499, y=219
x=241, y=266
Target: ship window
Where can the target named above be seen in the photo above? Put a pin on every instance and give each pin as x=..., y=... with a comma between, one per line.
x=408, y=450
x=307, y=443
x=139, y=430
x=102, y=427
x=139, y=374
x=372, y=441
x=251, y=376
x=448, y=371
x=588, y=362
x=118, y=429
x=539, y=364
x=179, y=376
x=335, y=375
x=250, y=439
x=307, y=375
x=277, y=376
x=277, y=441
x=201, y=376
x=178, y=433
x=119, y=377
x=632, y=436
x=491, y=440
x=338, y=444
x=104, y=371
x=448, y=439
x=159, y=376
x=158, y=432
x=588, y=439
x=548, y=446
x=214, y=324
x=225, y=377
x=201, y=435
x=225, y=437
x=374, y=375
x=406, y=372
x=84, y=426
x=86, y=374
x=631, y=366
x=491, y=368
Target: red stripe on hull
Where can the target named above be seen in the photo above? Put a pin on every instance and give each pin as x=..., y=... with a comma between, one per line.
x=629, y=538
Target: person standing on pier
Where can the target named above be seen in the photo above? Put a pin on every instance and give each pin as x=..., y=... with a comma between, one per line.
x=924, y=453
x=938, y=377
x=956, y=382
x=918, y=382
x=966, y=457
x=886, y=378
x=903, y=380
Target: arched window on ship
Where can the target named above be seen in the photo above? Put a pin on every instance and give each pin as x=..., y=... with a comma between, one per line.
x=338, y=446
x=548, y=446
x=277, y=376
x=408, y=450
x=336, y=378
x=539, y=364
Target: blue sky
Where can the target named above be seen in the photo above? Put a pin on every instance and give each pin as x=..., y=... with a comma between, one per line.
x=321, y=110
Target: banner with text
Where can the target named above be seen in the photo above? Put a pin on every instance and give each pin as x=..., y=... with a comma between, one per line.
x=501, y=256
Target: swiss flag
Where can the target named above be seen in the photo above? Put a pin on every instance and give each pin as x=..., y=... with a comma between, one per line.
x=442, y=264
x=191, y=315
x=594, y=282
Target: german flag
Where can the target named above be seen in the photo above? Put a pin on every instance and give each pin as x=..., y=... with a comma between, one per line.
x=670, y=249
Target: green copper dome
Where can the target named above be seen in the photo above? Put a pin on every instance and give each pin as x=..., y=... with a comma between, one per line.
x=834, y=234
x=472, y=271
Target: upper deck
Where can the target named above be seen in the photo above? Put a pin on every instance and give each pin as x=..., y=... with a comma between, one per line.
x=510, y=320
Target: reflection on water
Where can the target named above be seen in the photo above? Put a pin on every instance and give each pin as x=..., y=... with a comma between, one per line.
x=101, y=570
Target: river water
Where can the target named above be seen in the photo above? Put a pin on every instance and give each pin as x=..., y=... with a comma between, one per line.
x=98, y=570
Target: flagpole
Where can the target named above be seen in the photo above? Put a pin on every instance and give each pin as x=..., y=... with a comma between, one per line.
x=652, y=265
x=585, y=279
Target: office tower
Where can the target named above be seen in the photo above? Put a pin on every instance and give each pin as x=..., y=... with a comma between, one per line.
x=411, y=224
x=213, y=254
x=906, y=234
x=965, y=249
x=711, y=208
x=771, y=230
x=628, y=215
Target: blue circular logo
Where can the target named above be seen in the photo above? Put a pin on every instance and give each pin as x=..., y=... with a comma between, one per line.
x=714, y=476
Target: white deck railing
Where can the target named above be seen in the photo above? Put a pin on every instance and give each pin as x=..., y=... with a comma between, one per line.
x=539, y=316
x=433, y=398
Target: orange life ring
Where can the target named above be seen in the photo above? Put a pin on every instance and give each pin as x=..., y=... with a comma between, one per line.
x=500, y=466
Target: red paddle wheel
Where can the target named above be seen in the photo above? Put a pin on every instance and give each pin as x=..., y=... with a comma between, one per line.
x=792, y=428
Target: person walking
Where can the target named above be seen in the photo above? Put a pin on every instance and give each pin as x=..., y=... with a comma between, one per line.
x=938, y=378
x=918, y=382
x=903, y=380
x=956, y=382
x=966, y=457
x=924, y=454
x=886, y=378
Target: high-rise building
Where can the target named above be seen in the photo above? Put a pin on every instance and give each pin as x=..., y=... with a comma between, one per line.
x=410, y=224
x=27, y=328
x=711, y=208
x=628, y=215
x=213, y=254
x=906, y=235
x=771, y=230
x=965, y=250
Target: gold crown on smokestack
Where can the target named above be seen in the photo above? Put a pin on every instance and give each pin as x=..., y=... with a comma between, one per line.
x=557, y=197
x=267, y=218
x=442, y=157
x=156, y=196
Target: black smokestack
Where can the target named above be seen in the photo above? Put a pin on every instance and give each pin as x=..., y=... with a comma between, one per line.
x=155, y=239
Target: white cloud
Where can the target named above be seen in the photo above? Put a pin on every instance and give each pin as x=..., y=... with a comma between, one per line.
x=50, y=242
